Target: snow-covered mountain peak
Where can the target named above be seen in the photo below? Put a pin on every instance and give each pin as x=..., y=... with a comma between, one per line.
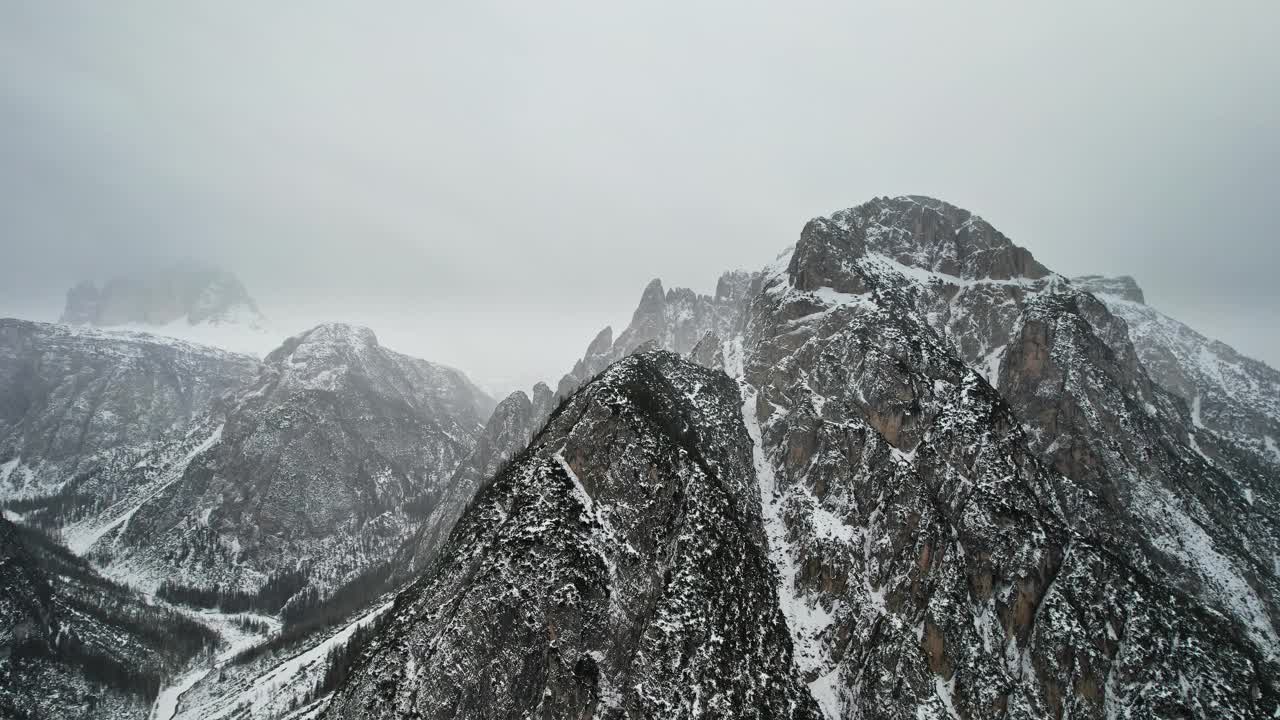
x=321, y=356
x=328, y=335
x=338, y=357
x=918, y=232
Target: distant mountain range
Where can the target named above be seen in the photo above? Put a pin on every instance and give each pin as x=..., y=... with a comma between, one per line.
x=202, y=305
x=903, y=471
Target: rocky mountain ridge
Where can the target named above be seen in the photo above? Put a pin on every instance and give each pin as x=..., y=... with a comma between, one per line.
x=675, y=319
x=858, y=375
x=309, y=470
x=1229, y=394
x=978, y=501
x=614, y=569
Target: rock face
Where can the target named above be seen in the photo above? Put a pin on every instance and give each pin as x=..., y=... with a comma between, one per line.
x=1074, y=376
x=917, y=232
x=1233, y=396
x=310, y=468
x=73, y=401
x=197, y=296
x=978, y=500
x=73, y=644
x=507, y=432
x=614, y=569
x=938, y=562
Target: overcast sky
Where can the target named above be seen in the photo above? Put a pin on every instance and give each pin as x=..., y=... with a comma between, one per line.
x=487, y=184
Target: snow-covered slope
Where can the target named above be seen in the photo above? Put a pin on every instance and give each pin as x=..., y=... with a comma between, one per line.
x=1232, y=395
x=77, y=402
x=309, y=475
x=75, y=645
x=215, y=480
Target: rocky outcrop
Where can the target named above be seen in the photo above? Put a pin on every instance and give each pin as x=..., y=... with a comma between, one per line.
x=83, y=303
x=709, y=352
x=543, y=401
x=937, y=237
x=1102, y=422
x=614, y=569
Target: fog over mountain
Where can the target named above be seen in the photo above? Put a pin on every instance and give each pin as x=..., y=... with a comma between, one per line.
x=409, y=361
x=463, y=178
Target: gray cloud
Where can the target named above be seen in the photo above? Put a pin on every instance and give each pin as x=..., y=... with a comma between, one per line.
x=488, y=183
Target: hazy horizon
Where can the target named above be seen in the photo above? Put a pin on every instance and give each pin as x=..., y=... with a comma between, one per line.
x=487, y=186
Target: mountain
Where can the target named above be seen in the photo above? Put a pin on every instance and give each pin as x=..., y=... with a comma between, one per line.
x=162, y=297
x=1234, y=396
x=675, y=319
x=979, y=500
x=308, y=475
x=987, y=504
x=202, y=305
x=615, y=568
x=903, y=471
x=678, y=320
x=282, y=487
x=78, y=402
x=508, y=431
x=75, y=645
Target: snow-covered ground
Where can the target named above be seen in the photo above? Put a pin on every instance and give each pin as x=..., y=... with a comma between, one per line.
x=250, y=336
x=237, y=640
x=270, y=689
x=806, y=618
